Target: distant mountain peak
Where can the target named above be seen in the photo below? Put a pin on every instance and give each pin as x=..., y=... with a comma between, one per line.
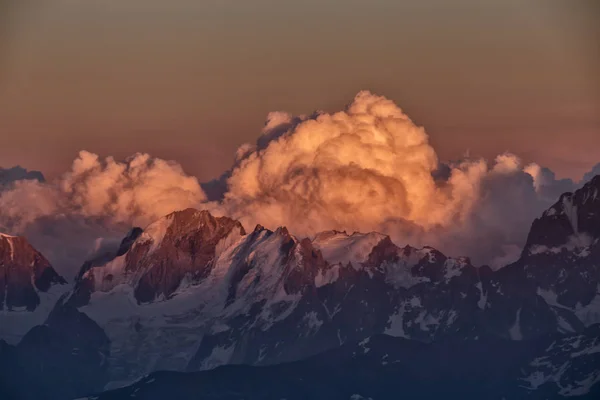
x=29, y=286
x=23, y=273
x=155, y=261
x=562, y=254
x=574, y=214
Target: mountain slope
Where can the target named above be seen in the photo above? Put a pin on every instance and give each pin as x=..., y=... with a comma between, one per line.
x=63, y=359
x=562, y=254
x=266, y=297
x=193, y=292
x=384, y=367
x=29, y=287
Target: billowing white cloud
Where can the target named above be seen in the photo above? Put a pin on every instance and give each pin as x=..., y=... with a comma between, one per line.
x=370, y=167
x=95, y=199
x=366, y=168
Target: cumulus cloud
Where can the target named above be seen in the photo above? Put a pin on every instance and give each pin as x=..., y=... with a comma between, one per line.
x=368, y=167
x=95, y=199
x=546, y=184
x=357, y=167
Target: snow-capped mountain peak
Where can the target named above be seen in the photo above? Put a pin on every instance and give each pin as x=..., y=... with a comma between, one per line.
x=181, y=245
x=194, y=291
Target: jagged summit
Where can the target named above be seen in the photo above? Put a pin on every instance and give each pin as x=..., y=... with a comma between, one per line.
x=197, y=291
x=193, y=272
x=574, y=215
x=155, y=261
x=562, y=254
x=187, y=222
x=193, y=291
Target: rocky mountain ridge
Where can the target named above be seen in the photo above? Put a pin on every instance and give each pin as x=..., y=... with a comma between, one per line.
x=192, y=292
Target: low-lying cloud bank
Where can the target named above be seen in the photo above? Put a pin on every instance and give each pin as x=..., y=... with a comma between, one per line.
x=366, y=168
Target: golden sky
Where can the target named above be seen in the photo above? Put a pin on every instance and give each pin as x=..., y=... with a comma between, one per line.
x=192, y=80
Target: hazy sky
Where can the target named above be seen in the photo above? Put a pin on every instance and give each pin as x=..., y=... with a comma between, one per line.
x=193, y=79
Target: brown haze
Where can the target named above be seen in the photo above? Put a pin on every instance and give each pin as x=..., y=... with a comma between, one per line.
x=192, y=80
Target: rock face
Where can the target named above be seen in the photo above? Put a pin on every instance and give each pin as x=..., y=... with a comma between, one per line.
x=562, y=255
x=29, y=287
x=49, y=354
x=574, y=215
x=24, y=272
x=384, y=367
x=155, y=262
x=568, y=366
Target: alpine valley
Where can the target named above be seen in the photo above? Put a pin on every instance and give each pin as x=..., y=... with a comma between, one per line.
x=196, y=307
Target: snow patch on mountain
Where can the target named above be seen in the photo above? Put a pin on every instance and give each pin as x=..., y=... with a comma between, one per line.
x=219, y=356
x=550, y=298
x=341, y=248
x=232, y=238
x=400, y=276
x=427, y=321
x=313, y=322
x=396, y=323
x=9, y=240
x=590, y=313
x=16, y=323
x=357, y=396
x=515, y=330
x=581, y=387
x=568, y=364
x=327, y=276
x=571, y=212
x=579, y=241
x=155, y=232
x=453, y=267
x=482, y=296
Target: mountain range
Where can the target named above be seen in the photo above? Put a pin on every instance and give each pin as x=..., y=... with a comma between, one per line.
x=230, y=314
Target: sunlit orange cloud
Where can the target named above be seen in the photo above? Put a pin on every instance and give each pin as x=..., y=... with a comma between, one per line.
x=366, y=168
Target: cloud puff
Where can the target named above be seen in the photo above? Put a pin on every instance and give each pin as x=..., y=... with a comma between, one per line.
x=95, y=199
x=356, y=167
x=137, y=191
